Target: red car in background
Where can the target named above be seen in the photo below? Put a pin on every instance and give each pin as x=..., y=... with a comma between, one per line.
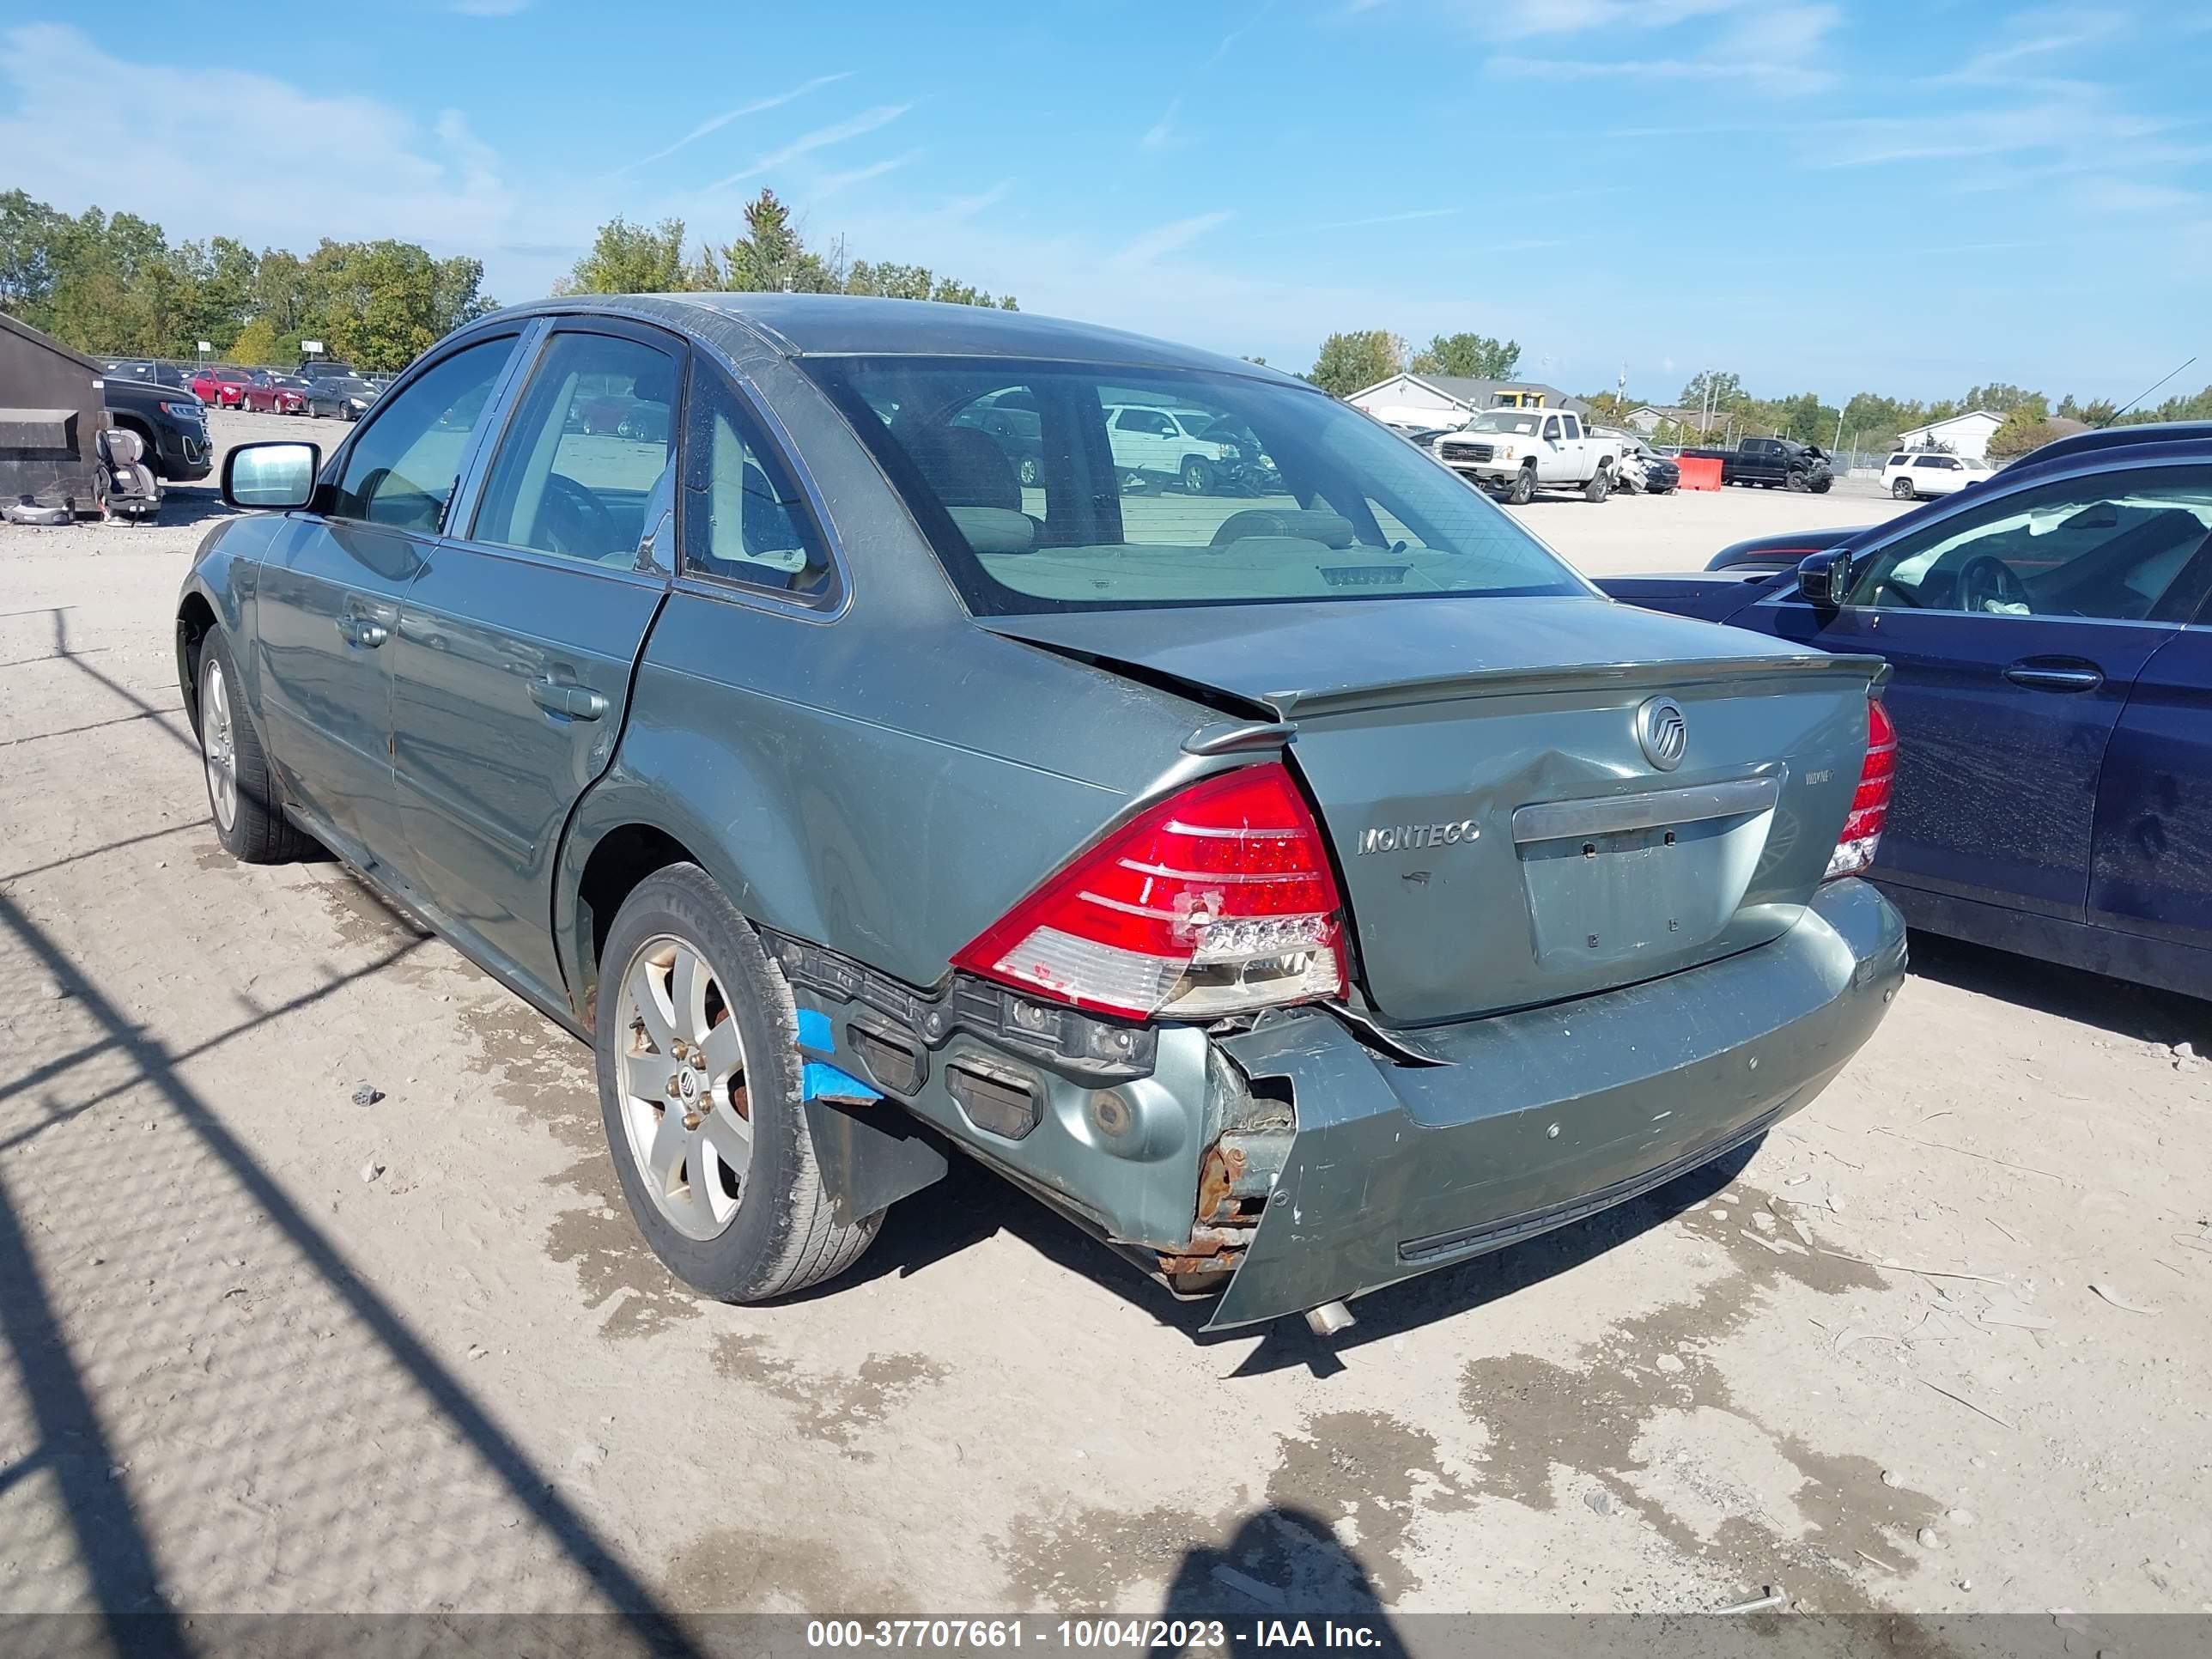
x=268, y=392
x=220, y=387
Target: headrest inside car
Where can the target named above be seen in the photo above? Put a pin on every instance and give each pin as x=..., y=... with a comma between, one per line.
x=1329, y=528
x=995, y=529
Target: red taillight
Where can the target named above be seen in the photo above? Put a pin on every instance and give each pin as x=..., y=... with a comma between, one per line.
x=1217, y=901
x=1855, y=847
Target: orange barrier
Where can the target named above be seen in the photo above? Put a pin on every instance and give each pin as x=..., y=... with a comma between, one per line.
x=1699, y=472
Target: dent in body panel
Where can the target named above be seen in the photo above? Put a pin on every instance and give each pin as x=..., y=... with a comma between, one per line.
x=846, y=786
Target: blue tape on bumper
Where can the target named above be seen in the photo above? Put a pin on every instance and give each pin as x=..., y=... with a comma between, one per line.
x=819, y=1079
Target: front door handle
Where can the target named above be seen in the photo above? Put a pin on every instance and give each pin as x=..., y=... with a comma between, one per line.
x=2039, y=679
x=359, y=630
x=578, y=702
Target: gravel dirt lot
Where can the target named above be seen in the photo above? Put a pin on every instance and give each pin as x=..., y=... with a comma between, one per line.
x=1940, y=1345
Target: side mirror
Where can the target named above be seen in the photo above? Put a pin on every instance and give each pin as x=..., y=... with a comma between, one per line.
x=277, y=476
x=1825, y=578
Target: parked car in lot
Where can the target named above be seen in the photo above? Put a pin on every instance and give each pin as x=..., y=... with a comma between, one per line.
x=268, y=392
x=220, y=387
x=344, y=396
x=2051, y=637
x=1641, y=469
x=1013, y=420
x=1771, y=463
x=170, y=422
x=1514, y=453
x=1914, y=474
x=1193, y=448
x=143, y=368
x=1228, y=876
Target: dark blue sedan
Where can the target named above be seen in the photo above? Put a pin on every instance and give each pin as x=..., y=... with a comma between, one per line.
x=2050, y=634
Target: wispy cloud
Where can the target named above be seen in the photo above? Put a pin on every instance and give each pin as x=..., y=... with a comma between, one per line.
x=837, y=181
x=1166, y=238
x=1161, y=133
x=716, y=123
x=1774, y=49
x=1229, y=40
x=821, y=139
x=1391, y=218
x=967, y=207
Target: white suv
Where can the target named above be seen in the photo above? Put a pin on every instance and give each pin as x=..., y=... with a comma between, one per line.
x=1911, y=474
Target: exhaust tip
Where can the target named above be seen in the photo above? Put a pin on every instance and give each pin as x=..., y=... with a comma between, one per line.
x=1329, y=1318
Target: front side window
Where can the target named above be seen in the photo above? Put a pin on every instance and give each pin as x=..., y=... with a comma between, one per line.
x=1267, y=492
x=402, y=469
x=2110, y=548
x=744, y=518
x=1929, y=463
x=586, y=450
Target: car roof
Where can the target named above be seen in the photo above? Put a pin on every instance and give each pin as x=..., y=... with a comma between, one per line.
x=844, y=325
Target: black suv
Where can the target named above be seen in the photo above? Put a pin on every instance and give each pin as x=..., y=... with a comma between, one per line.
x=169, y=419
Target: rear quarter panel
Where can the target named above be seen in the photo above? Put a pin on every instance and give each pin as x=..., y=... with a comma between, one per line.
x=886, y=796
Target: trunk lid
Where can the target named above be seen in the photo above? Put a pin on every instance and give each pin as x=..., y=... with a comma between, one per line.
x=1503, y=834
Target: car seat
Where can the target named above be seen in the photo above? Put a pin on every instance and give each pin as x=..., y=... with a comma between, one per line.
x=124, y=485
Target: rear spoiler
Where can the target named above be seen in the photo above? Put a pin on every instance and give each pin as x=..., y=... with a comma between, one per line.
x=1618, y=676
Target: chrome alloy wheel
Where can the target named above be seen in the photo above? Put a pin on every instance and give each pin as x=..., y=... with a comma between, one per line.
x=218, y=743
x=682, y=1080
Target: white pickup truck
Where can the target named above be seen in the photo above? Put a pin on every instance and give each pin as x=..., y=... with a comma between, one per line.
x=1514, y=453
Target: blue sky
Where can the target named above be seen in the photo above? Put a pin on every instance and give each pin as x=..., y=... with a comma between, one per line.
x=1906, y=197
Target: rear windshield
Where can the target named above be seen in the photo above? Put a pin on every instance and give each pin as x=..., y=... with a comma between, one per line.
x=1140, y=487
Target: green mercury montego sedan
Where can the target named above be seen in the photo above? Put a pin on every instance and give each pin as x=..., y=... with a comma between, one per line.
x=1299, y=892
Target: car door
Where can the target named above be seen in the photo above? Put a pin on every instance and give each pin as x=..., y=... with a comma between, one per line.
x=511, y=667
x=2017, y=626
x=328, y=598
x=1553, y=462
x=2151, y=872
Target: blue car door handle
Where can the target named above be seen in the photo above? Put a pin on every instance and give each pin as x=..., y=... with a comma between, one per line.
x=578, y=702
x=2047, y=676
x=360, y=631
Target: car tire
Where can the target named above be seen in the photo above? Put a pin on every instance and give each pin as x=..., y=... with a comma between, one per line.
x=779, y=1233
x=1822, y=488
x=1198, y=477
x=1902, y=490
x=1600, y=486
x=1523, y=489
x=1796, y=484
x=242, y=797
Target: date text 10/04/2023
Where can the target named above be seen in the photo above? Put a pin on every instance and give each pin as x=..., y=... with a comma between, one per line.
x=1173, y=1635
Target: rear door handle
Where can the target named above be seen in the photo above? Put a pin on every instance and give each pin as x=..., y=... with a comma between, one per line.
x=2054, y=679
x=578, y=702
x=359, y=630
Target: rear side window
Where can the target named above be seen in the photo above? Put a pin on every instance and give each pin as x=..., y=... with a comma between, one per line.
x=402, y=469
x=744, y=518
x=1930, y=462
x=1267, y=491
x=1900, y=459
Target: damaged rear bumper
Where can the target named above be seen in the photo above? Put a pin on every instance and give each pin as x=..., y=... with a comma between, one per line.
x=1539, y=1118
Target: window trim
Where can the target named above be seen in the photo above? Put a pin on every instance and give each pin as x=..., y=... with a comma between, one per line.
x=469, y=499
x=326, y=486
x=836, y=595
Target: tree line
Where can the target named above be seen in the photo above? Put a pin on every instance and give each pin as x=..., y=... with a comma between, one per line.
x=1716, y=401
x=112, y=284
x=770, y=256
